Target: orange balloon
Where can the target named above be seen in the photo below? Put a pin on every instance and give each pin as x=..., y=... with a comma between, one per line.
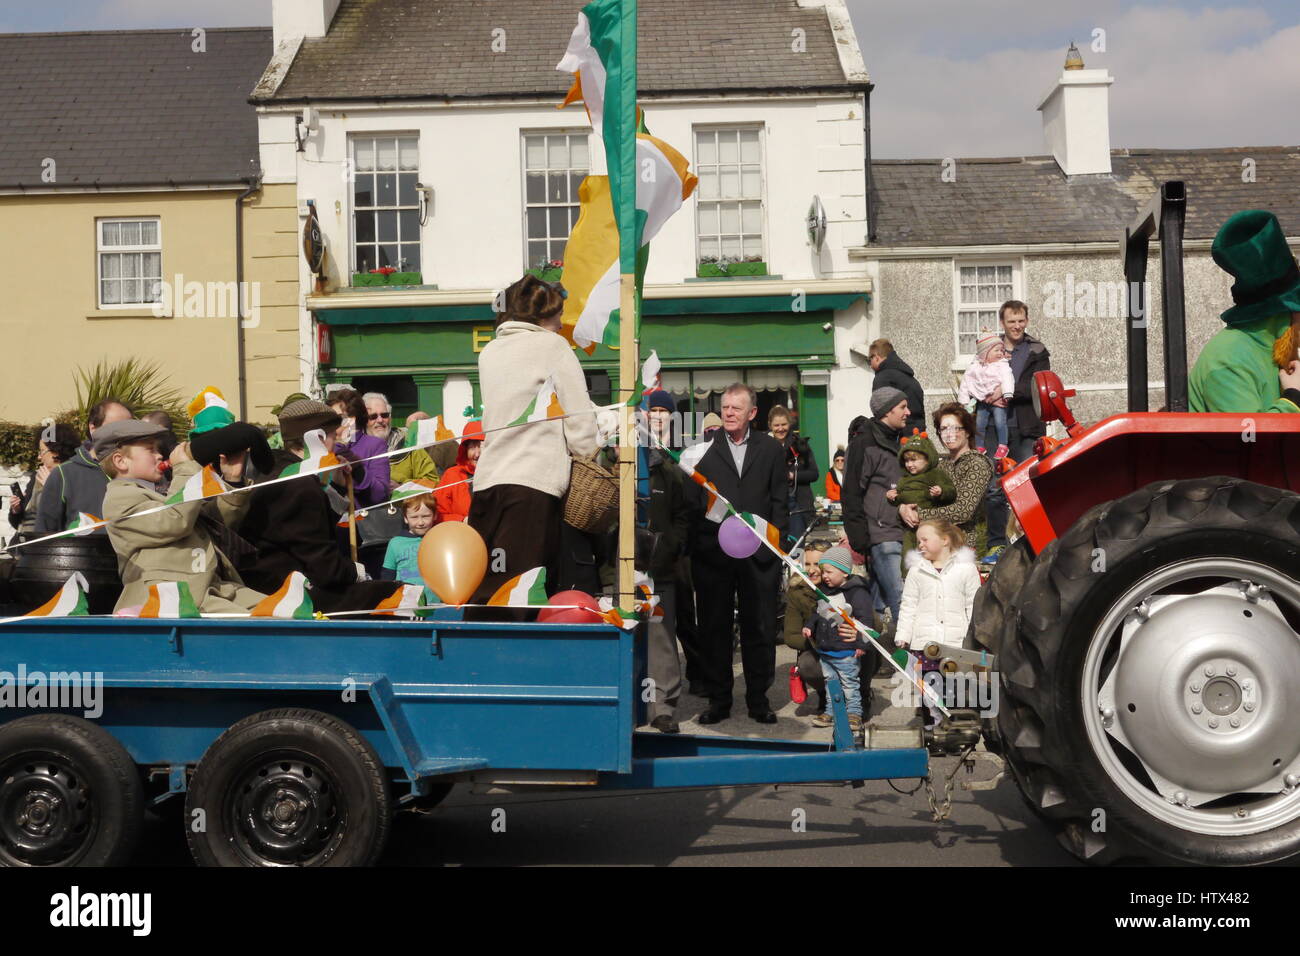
x=453, y=559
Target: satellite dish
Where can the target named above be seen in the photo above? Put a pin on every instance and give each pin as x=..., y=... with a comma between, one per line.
x=816, y=223
x=313, y=243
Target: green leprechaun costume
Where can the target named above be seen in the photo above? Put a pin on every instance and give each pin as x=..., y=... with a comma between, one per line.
x=1238, y=368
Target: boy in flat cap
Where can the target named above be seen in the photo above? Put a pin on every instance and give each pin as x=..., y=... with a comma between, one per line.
x=173, y=544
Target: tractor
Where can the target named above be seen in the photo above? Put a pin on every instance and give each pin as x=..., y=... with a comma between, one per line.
x=1147, y=623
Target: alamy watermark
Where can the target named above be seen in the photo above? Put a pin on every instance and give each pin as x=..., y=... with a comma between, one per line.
x=1086, y=299
x=966, y=690
x=58, y=690
x=209, y=300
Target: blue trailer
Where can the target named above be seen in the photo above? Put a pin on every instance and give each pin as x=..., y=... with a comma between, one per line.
x=293, y=742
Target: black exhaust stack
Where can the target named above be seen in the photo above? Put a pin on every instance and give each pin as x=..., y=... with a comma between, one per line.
x=1163, y=218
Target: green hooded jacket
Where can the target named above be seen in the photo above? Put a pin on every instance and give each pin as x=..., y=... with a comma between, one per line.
x=915, y=489
x=1235, y=371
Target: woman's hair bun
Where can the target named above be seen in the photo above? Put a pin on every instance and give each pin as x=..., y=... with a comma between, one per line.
x=532, y=300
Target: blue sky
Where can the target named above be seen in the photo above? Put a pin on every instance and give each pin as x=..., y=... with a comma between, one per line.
x=963, y=77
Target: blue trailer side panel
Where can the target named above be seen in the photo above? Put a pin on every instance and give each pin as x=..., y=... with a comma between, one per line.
x=536, y=696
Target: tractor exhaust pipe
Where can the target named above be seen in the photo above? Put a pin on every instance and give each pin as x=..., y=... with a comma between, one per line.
x=1163, y=217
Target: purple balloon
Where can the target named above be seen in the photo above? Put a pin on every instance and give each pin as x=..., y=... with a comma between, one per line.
x=737, y=538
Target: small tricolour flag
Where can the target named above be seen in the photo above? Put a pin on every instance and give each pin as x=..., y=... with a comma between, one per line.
x=170, y=599
x=523, y=590
x=427, y=431
x=403, y=601
x=84, y=523
x=648, y=606
x=417, y=486
x=69, y=602
x=290, y=601
x=545, y=405
x=766, y=530
x=716, y=508
x=206, y=484
x=315, y=456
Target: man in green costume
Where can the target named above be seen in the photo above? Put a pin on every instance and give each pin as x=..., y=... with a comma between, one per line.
x=1252, y=365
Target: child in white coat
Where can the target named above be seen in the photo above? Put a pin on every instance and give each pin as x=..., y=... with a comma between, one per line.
x=939, y=594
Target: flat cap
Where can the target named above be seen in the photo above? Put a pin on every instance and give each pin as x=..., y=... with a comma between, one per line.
x=301, y=416
x=115, y=434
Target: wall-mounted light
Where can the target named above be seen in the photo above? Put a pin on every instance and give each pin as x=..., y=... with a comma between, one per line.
x=426, y=200
x=303, y=125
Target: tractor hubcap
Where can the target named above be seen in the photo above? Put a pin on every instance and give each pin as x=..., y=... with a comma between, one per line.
x=1194, y=681
x=286, y=812
x=46, y=812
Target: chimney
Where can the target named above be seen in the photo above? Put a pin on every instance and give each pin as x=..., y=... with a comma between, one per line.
x=292, y=19
x=1076, y=118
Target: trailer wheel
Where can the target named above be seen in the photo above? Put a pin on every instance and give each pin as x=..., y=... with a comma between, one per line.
x=70, y=794
x=1151, y=677
x=288, y=787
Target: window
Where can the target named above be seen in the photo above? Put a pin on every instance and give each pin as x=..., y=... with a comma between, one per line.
x=555, y=165
x=729, y=208
x=130, y=261
x=385, y=204
x=981, y=289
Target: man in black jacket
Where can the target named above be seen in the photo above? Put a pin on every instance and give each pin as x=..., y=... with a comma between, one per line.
x=1024, y=427
x=748, y=469
x=871, y=470
x=892, y=372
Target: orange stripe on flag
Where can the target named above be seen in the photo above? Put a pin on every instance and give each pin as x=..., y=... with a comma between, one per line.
x=575, y=92
x=152, y=606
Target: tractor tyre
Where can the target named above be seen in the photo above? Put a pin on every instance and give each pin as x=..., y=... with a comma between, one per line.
x=1151, y=677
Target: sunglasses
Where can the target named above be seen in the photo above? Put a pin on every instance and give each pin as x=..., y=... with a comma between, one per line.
x=375, y=415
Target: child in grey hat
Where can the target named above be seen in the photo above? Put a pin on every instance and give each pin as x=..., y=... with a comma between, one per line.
x=837, y=642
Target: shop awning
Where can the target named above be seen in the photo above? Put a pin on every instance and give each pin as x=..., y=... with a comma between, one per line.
x=719, y=297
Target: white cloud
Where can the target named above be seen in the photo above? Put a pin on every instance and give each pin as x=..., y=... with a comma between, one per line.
x=1223, y=77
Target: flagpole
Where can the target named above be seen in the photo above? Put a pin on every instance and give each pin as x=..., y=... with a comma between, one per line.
x=629, y=325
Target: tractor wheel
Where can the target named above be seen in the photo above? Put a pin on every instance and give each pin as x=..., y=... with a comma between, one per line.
x=991, y=612
x=70, y=795
x=1151, y=677
x=288, y=787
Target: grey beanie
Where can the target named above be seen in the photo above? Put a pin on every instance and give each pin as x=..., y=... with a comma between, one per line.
x=883, y=400
x=841, y=558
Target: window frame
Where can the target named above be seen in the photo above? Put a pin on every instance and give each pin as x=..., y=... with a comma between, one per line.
x=353, y=171
x=524, y=170
x=697, y=168
x=101, y=251
x=963, y=359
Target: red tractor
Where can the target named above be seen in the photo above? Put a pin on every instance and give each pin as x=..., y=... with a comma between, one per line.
x=1147, y=624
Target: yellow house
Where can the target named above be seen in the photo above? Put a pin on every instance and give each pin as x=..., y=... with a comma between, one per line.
x=133, y=221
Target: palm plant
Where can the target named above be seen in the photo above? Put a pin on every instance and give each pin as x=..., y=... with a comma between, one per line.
x=139, y=384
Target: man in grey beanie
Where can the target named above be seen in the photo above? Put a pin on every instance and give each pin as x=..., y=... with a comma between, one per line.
x=871, y=471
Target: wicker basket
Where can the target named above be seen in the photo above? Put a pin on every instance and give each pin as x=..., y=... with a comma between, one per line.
x=591, y=503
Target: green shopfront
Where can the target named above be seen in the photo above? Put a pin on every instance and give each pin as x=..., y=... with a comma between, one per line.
x=424, y=356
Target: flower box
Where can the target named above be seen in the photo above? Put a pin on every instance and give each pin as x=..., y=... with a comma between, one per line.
x=405, y=278
x=370, y=279
x=363, y=279
x=546, y=273
x=712, y=270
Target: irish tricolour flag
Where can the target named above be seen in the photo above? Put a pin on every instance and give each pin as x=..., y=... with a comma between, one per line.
x=716, y=507
x=523, y=590
x=767, y=531
x=315, y=456
x=545, y=404
x=84, y=523
x=403, y=601
x=602, y=57
x=426, y=432
x=290, y=601
x=206, y=484
x=69, y=602
x=170, y=599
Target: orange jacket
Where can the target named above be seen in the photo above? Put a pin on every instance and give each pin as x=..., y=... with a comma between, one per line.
x=832, y=486
x=453, y=503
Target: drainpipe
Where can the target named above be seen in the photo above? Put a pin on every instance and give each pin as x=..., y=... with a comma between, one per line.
x=254, y=184
x=866, y=139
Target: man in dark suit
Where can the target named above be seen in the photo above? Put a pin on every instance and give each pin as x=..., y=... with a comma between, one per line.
x=748, y=469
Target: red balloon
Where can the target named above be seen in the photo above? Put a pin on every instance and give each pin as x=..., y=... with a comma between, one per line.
x=571, y=615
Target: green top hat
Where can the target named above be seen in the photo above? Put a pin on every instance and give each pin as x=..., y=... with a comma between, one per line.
x=1252, y=249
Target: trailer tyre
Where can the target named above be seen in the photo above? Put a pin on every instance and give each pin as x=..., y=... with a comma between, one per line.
x=70, y=794
x=1151, y=677
x=289, y=787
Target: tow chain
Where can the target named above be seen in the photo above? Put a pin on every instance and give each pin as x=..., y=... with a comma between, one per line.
x=941, y=809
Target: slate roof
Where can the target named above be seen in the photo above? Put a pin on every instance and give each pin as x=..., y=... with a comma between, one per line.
x=1029, y=200
x=395, y=49
x=126, y=108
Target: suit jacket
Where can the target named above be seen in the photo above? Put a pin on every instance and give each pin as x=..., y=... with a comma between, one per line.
x=760, y=488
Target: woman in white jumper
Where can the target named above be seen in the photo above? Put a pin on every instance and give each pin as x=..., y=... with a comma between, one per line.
x=523, y=471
